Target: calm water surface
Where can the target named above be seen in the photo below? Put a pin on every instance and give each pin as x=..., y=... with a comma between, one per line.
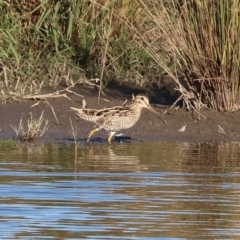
x=124, y=191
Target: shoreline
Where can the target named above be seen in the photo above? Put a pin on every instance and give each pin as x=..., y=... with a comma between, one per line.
x=148, y=128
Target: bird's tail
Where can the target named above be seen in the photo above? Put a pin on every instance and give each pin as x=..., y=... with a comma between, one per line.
x=86, y=114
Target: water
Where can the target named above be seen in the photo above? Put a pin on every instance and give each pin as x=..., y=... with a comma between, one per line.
x=124, y=191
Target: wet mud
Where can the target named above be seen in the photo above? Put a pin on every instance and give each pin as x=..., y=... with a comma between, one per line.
x=210, y=126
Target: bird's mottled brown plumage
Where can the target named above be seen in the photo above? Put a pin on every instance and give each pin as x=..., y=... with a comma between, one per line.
x=117, y=118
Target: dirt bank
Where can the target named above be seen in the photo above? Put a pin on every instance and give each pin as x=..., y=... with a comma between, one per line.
x=148, y=128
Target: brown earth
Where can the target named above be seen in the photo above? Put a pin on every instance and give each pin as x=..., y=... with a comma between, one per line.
x=148, y=128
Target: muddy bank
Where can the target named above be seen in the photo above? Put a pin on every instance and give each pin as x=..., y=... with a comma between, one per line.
x=148, y=128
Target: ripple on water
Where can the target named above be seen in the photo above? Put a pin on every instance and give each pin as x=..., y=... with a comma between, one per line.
x=124, y=191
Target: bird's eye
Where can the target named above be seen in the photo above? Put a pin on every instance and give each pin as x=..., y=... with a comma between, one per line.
x=142, y=98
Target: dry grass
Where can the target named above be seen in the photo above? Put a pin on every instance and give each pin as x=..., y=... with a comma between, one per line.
x=201, y=37
x=35, y=128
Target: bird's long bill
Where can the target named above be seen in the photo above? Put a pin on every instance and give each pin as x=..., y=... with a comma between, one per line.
x=153, y=111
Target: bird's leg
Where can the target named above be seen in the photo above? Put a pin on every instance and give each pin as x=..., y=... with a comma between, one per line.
x=91, y=134
x=110, y=137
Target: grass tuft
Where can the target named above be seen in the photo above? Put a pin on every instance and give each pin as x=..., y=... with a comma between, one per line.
x=35, y=129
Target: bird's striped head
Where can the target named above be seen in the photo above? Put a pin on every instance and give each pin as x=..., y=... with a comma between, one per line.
x=142, y=101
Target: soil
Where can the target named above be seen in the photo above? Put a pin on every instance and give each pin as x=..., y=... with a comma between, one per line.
x=148, y=128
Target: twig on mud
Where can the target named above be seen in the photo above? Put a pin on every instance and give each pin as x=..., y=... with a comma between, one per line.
x=89, y=82
x=34, y=105
x=221, y=130
x=67, y=89
x=44, y=96
x=199, y=113
x=52, y=95
x=84, y=104
x=106, y=100
x=124, y=103
x=57, y=93
x=52, y=111
x=165, y=112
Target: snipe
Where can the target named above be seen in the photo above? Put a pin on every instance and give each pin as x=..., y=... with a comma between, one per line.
x=115, y=119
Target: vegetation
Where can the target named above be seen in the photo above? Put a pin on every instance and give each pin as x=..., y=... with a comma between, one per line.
x=203, y=38
x=195, y=42
x=36, y=127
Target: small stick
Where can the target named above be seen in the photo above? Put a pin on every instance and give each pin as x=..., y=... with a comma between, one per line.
x=34, y=105
x=84, y=104
x=221, y=130
x=124, y=103
x=74, y=93
x=52, y=111
x=44, y=96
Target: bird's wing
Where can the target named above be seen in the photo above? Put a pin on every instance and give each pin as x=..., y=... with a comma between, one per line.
x=113, y=114
x=100, y=116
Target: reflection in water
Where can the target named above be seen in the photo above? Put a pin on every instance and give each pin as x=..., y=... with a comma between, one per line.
x=126, y=191
x=106, y=158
